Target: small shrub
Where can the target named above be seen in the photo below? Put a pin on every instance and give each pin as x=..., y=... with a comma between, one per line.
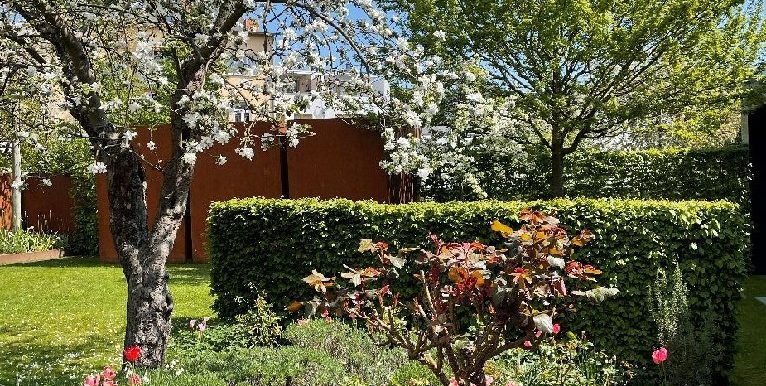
x=569, y=362
x=27, y=241
x=474, y=301
x=352, y=347
x=690, y=344
x=259, y=326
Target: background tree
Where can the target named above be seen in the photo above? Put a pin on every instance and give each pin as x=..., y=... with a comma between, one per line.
x=112, y=64
x=580, y=70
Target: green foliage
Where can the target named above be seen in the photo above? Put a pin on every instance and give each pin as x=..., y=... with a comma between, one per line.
x=27, y=241
x=83, y=240
x=271, y=244
x=690, y=341
x=351, y=347
x=670, y=174
x=570, y=362
x=259, y=326
x=579, y=70
x=320, y=352
x=266, y=366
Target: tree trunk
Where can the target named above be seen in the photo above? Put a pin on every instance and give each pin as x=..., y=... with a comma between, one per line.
x=143, y=254
x=556, y=182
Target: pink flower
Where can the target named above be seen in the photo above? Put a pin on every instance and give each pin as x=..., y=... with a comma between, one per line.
x=326, y=315
x=302, y=321
x=134, y=380
x=660, y=355
x=92, y=380
x=489, y=380
x=109, y=374
x=109, y=383
x=192, y=323
x=556, y=328
x=527, y=344
x=511, y=383
x=453, y=382
x=538, y=334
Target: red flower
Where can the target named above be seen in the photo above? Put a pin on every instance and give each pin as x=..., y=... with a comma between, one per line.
x=527, y=344
x=660, y=355
x=556, y=328
x=132, y=353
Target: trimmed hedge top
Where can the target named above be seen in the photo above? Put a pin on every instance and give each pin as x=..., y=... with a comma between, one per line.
x=670, y=174
x=263, y=244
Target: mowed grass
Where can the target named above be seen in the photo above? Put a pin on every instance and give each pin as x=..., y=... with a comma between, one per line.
x=61, y=319
x=750, y=362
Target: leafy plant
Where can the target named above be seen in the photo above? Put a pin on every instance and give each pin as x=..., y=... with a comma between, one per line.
x=376, y=365
x=671, y=174
x=27, y=241
x=475, y=301
x=260, y=326
x=691, y=348
x=567, y=362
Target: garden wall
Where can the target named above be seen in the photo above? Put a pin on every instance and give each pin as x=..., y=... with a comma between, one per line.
x=341, y=160
x=260, y=244
x=46, y=208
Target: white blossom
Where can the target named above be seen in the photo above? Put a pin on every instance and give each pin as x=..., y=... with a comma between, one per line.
x=246, y=152
x=190, y=157
x=97, y=167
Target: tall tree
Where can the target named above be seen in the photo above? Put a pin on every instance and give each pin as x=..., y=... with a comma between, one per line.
x=588, y=69
x=111, y=63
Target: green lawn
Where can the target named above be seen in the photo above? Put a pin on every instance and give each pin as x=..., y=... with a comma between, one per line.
x=750, y=368
x=61, y=318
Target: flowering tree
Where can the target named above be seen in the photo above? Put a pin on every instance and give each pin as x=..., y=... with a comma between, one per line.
x=474, y=301
x=580, y=71
x=113, y=64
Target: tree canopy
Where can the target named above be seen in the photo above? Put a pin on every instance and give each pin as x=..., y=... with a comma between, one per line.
x=593, y=69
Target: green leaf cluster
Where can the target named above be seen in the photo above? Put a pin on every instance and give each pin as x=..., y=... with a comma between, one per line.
x=262, y=244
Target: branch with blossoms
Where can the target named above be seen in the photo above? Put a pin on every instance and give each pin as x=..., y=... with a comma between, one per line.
x=474, y=302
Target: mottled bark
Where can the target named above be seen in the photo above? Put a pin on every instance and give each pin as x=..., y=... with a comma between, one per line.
x=143, y=254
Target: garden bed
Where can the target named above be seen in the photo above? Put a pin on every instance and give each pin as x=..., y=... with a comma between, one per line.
x=31, y=257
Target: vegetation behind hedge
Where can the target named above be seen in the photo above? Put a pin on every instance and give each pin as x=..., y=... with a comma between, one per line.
x=669, y=174
x=262, y=244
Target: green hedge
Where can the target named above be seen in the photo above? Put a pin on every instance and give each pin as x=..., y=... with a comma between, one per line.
x=668, y=174
x=261, y=244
